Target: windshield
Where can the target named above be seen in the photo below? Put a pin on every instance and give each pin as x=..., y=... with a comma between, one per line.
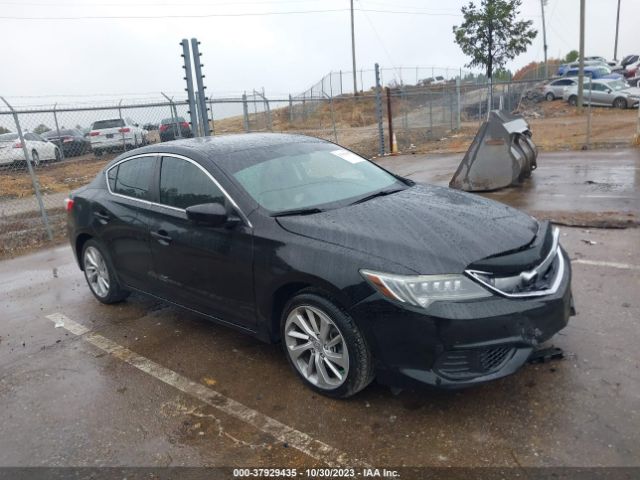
x=100, y=124
x=306, y=175
x=8, y=137
x=617, y=85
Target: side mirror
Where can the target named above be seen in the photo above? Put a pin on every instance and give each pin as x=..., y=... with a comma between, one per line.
x=211, y=215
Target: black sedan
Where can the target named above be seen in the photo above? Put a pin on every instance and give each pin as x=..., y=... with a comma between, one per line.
x=359, y=273
x=72, y=142
x=174, y=128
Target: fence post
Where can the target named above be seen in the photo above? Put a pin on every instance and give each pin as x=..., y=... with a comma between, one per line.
x=189, y=78
x=333, y=120
x=174, y=115
x=245, y=112
x=213, y=129
x=379, y=111
x=34, y=179
x=458, y=106
x=55, y=119
x=124, y=141
x=390, y=120
x=268, y=111
x=340, y=82
x=201, y=97
x=290, y=109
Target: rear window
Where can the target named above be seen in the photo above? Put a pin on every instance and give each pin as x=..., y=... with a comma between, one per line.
x=54, y=133
x=100, y=124
x=166, y=121
x=132, y=177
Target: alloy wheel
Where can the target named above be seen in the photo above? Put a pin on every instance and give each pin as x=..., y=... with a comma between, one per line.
x=316, y=347
x=96, y=272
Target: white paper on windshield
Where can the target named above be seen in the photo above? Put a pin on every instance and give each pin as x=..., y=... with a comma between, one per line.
x=348, y=156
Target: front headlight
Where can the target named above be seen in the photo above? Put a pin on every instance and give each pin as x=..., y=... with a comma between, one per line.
x=422, y=290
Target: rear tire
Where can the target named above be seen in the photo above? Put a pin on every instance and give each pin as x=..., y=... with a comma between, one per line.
x=620, y=103
x=573, y=100
x=35, y=158
x=324, y=346
x=100, y=274
x=97, y=153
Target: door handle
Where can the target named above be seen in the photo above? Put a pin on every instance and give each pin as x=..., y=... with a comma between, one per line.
x=102, y=216
x=162, y=236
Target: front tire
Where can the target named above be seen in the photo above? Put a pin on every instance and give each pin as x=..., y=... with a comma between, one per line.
x=550, y=97
x=325, y=347
x=100, y=274
x=620, y=103
x=57, y=155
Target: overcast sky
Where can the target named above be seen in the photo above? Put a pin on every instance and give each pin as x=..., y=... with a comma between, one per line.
x=282, y=53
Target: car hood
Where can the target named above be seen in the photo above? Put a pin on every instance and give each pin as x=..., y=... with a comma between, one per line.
x=426, y=229
x=631, y=91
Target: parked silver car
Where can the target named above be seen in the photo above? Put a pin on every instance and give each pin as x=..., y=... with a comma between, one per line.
x=606, y=93
x=555, y=88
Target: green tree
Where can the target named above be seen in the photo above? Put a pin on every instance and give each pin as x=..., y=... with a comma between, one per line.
x=3, y=130
x=40, y=129
x=572, y=56
x=491, y=33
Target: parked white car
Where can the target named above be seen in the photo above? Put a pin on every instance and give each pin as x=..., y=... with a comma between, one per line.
x=39, y=148
x=606, y=93
x=116, y=134
x=555, y=88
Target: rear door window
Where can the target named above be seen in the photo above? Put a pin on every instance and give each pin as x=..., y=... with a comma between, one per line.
x=183, y=184
x=101, y=124
x=132, y=177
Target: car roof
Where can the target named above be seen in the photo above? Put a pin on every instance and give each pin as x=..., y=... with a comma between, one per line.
x=209, y=148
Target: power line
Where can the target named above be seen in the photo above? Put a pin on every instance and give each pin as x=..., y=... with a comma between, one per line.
x=211, y=15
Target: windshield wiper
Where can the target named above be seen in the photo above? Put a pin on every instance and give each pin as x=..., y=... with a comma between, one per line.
x=297, y=211
x=381, y=193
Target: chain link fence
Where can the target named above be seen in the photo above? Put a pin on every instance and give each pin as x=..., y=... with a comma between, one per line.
x=48, y=151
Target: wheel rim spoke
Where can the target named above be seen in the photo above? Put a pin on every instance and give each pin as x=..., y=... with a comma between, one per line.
x=316, y=347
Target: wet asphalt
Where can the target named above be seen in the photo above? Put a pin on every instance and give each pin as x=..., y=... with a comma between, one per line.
x=574, y=182
x=63, y=401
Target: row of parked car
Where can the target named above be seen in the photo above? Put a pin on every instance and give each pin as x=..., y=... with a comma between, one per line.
x=606, y=83
x=110, y=135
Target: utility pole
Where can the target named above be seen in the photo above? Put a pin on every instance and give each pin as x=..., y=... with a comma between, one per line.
x=581, y=69
x=544, y=39
x=615, y=48
x=353, y=53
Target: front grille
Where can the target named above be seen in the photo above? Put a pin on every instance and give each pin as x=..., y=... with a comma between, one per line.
x=460, y=364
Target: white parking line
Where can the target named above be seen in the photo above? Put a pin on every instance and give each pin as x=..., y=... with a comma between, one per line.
x=596, y=263
x=299, y=440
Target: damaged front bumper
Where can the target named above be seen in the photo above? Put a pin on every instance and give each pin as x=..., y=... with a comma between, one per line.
x=460, y=344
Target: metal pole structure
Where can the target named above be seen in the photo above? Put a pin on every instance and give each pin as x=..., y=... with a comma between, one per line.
x=174, y=115
x=353, y=53
x=34, y=180
x=389, y=119
x=340, y=82
x=615, y=48
x=245, y=112
x=589, y=117
x=333, y=120
x=190, y=96
x=544, y=40
x=55, y=119
x=290, y=109
x=379, y=111
x=124, y=142
x=581, y=69
x=268, y=110
x=213, y=129
x=458, y=122
x=202, y=98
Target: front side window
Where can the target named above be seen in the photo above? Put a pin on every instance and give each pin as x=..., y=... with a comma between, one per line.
x=306, y=175
x=132, y=177
x=183, y=184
